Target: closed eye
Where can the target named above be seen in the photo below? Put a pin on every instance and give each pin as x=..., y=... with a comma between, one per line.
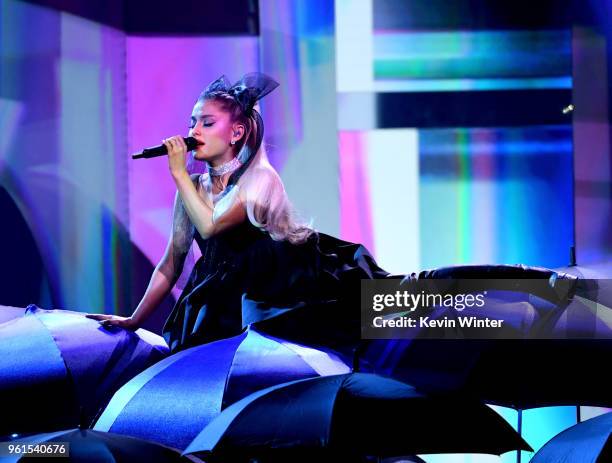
x=193, y=121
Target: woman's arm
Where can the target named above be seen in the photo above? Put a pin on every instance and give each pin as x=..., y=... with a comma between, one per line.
x=159, y=287
x=200, y=213
x=166, y=273
x=171, y=264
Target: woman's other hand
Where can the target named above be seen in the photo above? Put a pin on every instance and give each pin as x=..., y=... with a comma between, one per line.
x=176, y=154
x=114, y=320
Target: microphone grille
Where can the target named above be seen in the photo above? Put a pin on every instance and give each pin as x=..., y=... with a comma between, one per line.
x=191, y=143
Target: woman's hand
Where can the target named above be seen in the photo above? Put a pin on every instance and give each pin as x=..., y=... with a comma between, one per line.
x=176, y=154
x=114, y=320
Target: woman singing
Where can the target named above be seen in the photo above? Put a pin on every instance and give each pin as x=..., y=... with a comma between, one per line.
x=259, y=264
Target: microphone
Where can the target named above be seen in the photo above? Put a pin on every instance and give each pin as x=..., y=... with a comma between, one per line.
x=161, y=150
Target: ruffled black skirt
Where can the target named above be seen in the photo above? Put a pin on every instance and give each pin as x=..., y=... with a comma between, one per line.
x=308, y=293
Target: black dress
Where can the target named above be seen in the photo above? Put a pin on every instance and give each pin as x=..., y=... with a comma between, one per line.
x=302, y=292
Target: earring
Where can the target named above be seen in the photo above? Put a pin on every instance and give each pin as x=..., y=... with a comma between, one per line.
x=233, y=142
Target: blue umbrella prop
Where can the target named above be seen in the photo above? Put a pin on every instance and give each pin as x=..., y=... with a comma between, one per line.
x=552, y=355
x=172, y=401
x=58, y=368
x=87, y=446
x=586, y=442
x=9, y=313
x=359, y=413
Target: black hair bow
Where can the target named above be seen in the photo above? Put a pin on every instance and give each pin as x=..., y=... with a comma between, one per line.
x=246, y=91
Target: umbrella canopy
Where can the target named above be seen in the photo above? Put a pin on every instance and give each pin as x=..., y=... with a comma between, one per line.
x=586, y=442
x=173, y=400
x=84, y=445
x=363, y=413
x=58, y=368
x=557, y=362
x=8, y=313
x=520, y=374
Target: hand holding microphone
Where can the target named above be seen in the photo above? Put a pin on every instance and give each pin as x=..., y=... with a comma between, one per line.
x=176, y=148
x=162, y=150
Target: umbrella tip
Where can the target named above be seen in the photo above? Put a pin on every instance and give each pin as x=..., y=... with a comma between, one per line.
x=31, y=308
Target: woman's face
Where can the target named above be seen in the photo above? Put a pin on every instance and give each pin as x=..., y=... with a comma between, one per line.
x=214, y=130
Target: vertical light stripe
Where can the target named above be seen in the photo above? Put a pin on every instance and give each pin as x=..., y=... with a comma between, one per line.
x=355, y=201
x=393, y=172
x=82, y=125
x=354, y=45
x=297, y=48
x=483, y=239
x=464, y=199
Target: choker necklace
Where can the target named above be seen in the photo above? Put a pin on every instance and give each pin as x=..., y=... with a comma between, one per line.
x=229, y=166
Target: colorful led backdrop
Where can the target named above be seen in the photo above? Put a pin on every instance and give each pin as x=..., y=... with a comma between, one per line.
x=432, y=134
x=458, y=137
